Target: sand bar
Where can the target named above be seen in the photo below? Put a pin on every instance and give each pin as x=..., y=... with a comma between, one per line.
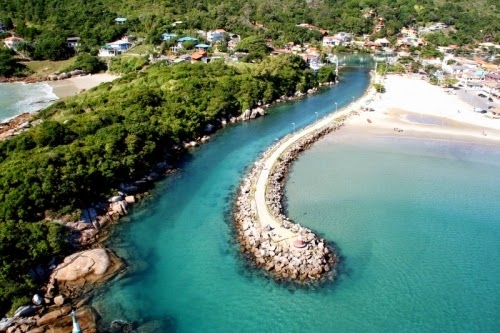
x=75, y=85
x=412, y=107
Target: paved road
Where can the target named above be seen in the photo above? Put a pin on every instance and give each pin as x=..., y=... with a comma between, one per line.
x=471, y=97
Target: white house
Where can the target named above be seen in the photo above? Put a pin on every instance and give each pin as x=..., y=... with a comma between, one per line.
x=216, y=35
x=73, y=42
x=122, y=44
x=409, y=41
x=383, y=42
x=331, y=41
x=167, y=36
x=115, y=48
x=343, y=36
x=13, y=42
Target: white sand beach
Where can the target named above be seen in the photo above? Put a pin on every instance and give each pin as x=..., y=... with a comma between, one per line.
x=75, y=85
x=412, y=107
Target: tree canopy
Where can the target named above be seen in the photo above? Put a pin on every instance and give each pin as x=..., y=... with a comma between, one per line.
x=9, y=65
x=93, y=20
x=88, y=144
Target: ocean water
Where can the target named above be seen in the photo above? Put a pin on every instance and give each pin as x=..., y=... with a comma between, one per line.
x=402, y=271
x=17, y=98
x=418, y=227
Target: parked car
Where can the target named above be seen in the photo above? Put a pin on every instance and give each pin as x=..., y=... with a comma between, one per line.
x=490, y=99
x=482, y=95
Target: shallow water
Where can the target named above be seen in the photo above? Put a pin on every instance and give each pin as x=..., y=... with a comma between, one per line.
x=17, y=98
x=417, y=224
x=183, y=237
x=396, y=275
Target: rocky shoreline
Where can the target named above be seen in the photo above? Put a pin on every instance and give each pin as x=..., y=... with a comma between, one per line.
x=72, y=281
x=35, y=79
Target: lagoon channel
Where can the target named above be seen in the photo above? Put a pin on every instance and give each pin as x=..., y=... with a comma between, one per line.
x=184, y=267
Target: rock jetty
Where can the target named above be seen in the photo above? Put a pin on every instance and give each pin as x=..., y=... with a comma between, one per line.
x=286, y=250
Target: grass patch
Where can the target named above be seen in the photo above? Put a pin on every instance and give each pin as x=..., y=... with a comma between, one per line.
x=140, y=49
x=46, y=67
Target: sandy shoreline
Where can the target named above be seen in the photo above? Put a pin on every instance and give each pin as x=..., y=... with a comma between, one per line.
x=414, y=108
x=75, y=85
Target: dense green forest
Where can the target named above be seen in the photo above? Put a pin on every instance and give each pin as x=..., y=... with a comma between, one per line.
x=41, y=21
x=45, y=24
x=9, y=65
x=25, y=248
x=88, y=144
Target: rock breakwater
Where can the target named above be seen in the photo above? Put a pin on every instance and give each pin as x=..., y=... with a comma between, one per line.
x=284, y=249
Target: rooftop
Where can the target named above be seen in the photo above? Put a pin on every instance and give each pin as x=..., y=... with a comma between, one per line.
x=188, y=39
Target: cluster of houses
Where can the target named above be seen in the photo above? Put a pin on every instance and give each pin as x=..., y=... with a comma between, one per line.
x=433, y=28
x=473, y=74
x=406, y=38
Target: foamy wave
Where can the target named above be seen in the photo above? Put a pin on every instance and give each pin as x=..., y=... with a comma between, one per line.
x=22, y=97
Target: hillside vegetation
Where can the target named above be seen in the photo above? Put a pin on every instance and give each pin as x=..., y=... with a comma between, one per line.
x=88, y=144
x=93, y=20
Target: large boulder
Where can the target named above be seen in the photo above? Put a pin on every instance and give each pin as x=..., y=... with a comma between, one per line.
x=115, y=198
x=81, y=271
x=119, y=207
x=62, y=76
x=5, y=323
x=258, y=112
x=49, y=317
x=246, y=114
x=88, y=215
x=59, y=300
x=82, y=264
x=209, y=128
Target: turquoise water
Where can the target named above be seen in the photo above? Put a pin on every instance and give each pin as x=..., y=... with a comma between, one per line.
x=417, y=224
x=16, y=98
x=185, y=268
